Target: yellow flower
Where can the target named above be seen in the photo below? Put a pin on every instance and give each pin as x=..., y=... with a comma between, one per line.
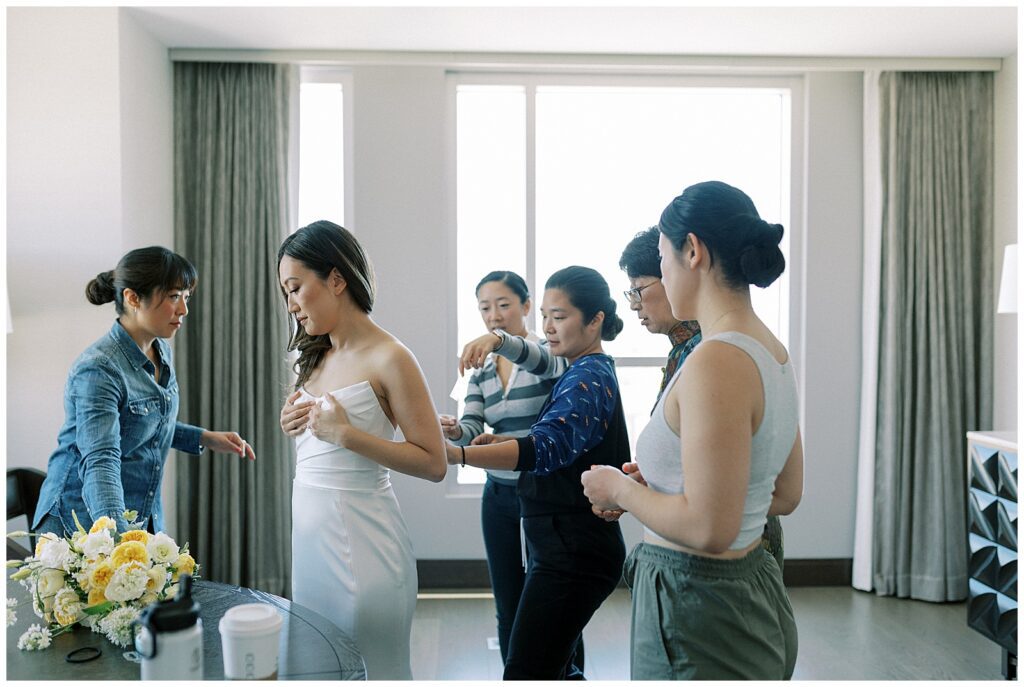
x=185, y=565
x=96, y=596
x=101, y=575
x=136, y=535
x=128, y=552
x=103, y=523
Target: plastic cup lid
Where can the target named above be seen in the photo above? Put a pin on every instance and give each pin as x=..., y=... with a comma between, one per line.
x=251, y=619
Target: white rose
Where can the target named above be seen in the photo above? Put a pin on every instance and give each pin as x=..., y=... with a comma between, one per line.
x=128, y=583
x=162, y=548
x=157, y=578
x=49, y=583
x=56, y=554
x=98, y=544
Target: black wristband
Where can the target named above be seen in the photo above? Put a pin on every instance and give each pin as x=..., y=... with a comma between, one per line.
x=463, y=455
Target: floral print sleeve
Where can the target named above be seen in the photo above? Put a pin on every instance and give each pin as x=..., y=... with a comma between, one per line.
x=575, y=418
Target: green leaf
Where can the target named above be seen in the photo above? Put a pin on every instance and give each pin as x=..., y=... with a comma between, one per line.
x=99, y=609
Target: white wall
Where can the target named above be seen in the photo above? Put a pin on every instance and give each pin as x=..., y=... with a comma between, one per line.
x=830, y=371
x=1004, y=411
x=89, y=163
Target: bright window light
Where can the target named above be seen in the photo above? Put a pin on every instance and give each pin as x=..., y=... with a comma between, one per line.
x=605, y=162
x=321, y=153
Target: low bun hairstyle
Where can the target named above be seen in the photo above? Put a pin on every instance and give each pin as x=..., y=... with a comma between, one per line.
x=101, y=289
x=146, y=271
x=324, y=246
x=588, y=291
x=726, y=221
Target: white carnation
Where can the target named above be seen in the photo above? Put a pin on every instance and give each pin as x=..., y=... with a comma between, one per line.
x=35, y=638
x=128, y=583
x=12, y=616
x=162, y=548
x=117, y=625
x=56, y=554
x=98, y=544
x=67, y=607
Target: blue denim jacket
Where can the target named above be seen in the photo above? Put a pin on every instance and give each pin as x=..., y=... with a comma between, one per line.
x=118, y=426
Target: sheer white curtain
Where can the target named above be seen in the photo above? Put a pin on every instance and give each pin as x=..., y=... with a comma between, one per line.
x=863, y=541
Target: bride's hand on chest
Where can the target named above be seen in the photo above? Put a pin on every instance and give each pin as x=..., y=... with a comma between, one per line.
x=328, y=421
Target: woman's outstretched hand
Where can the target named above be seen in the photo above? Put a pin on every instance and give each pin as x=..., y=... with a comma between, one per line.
x=475, y=353
x=227, y=442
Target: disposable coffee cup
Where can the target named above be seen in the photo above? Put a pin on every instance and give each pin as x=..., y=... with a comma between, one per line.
x=249, y=636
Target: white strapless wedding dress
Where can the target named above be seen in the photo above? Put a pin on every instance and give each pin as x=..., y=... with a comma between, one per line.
x=352, y=559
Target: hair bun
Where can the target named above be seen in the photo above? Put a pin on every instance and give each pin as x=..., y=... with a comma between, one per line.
x=761, y=263
x=612, y=324
x=101, y=289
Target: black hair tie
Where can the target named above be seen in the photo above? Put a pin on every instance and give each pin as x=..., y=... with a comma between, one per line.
x=83, y=654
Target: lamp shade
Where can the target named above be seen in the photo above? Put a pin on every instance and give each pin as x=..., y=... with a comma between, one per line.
x=1008, y=284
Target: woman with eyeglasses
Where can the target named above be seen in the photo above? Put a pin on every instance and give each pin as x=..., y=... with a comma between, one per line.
x=721, y=453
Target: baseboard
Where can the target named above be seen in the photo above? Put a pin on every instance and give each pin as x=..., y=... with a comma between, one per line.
x=472, y=573
x=818, y=572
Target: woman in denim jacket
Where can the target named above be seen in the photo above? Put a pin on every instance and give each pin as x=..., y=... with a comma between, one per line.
x=121, y=402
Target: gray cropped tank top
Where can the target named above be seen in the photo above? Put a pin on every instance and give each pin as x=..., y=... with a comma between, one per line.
x=658, y=451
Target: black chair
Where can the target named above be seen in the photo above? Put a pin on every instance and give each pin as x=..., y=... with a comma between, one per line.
x=23, y=486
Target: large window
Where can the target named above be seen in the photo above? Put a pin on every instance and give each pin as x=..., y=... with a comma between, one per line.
x=557, y=171
x=321, y=146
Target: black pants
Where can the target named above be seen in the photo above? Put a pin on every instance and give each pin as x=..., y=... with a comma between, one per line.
x=574, y=564
x=499, y=517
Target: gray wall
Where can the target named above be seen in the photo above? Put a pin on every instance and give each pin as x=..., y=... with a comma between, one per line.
x=1005, y=406
x=88, y=181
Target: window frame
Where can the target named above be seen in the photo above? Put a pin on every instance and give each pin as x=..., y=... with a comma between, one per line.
x=792, y=294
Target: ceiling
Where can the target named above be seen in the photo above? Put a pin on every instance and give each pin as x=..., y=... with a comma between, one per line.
x=746, y=31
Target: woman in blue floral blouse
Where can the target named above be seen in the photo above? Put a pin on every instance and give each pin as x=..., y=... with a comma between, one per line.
x=575, y=557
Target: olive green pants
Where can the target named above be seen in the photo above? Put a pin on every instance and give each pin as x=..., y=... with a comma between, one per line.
x=698, y=618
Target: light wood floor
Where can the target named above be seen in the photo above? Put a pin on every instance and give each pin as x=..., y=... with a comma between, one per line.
x=844, y=635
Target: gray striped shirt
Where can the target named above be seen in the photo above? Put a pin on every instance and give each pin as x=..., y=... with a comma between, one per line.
x=510, y=411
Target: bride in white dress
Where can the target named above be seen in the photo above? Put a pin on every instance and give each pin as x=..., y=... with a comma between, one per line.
x=352, y=558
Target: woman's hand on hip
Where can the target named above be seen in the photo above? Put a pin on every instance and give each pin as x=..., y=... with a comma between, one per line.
x=227, y=442
x=295, y=416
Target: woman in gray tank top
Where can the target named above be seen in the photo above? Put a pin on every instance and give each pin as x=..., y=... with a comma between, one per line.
x=708, y=600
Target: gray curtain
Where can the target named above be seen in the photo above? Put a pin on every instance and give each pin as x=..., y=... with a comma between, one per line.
x=230, y=214
x=937, y=310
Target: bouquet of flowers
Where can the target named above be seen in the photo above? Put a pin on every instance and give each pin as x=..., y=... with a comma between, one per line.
x=100, y=579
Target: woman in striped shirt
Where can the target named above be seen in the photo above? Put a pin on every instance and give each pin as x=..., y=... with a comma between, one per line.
x=506, y=397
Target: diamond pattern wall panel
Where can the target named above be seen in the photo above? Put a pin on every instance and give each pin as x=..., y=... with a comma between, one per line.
x=992, y=544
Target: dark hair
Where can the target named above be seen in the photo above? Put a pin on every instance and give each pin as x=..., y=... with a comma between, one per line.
x=324, y=246
x=509, y=279
x=147, y=272
x=640, y=258
x=725, y=219
x=588, y=291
